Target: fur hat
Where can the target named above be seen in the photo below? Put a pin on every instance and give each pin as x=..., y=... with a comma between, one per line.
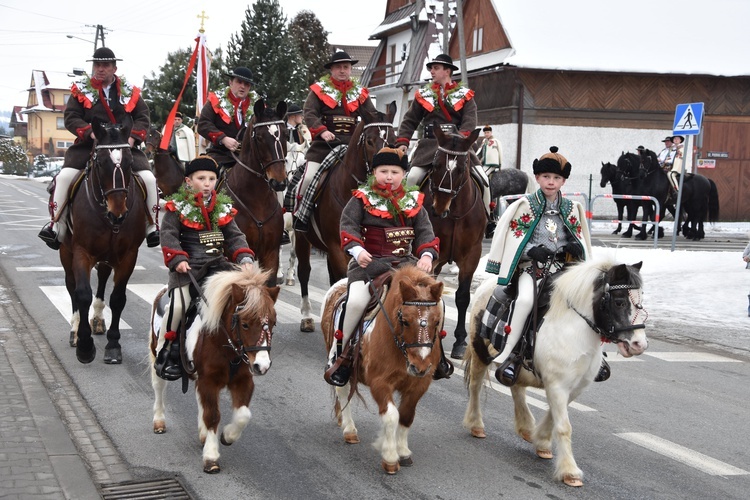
x=178, y=115
x=552, y=162
x=390, y=156
x=203, y=162
x=487, y=128
x=340, y=57
x=242, y=73
x=103, y=54
x=443, y=59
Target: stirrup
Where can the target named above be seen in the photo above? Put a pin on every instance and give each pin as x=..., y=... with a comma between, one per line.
x=165, y=367
x=507, y=372
x=339, y=372
x=604, y=372
x=49, y=236
x=153, y=240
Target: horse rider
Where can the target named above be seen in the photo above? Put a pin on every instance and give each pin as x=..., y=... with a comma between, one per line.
x=381, y=206
x=664, y=155
x=677, y=159
x=296, y=147
x=197, y=226
x=107, y=97
x=182, y=143
x=491, y=156
x=225, y=114
x=540, y=229
x=442, y=102
x=330, y=112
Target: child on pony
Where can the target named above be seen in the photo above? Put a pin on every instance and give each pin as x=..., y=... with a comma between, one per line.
x=381, y=204
x=535, y=237
x=197, y=228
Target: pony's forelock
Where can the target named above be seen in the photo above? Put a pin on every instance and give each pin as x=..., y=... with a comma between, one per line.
x=218, y=291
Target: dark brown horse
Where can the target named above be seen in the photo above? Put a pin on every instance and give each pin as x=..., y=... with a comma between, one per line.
x=368, y=138
x=458, y=218
x=229, y=346
x=169, y=172
x=107, y=225
x=399, y=354
x=252, y=183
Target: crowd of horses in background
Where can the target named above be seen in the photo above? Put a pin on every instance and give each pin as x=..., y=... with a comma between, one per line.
x=640, y=175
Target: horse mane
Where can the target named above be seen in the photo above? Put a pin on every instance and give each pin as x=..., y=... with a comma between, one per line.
x=411, y=274
x=576, y=286
x=218, y=292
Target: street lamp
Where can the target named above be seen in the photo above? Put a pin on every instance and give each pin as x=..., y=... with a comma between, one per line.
x=79, y=38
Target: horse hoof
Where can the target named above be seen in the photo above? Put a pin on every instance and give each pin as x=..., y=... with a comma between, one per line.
x=572, y=480
x=86, y=357
x=390, y=468
x=478, y=432
x=160, y=427
x=307, y=325
x=545, y=454
x=73, y=339
x=98, y=326
x=526, y=435
x=224, y=441
x=351, y=438
x=211, y=467
x=405, y=461
x=459, y=349
x=289, y=282
x=113, y=356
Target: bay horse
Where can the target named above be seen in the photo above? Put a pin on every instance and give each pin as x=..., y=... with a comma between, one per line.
x=399, y=352
x=228, y=344
x=368, y=138
x=458, y=218
x=168, y=170
x=260, y=172
x=700, y=202
x=592, y=302
x=107, y=225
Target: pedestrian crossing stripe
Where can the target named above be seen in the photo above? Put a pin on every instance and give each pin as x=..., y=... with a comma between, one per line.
x=688, y=118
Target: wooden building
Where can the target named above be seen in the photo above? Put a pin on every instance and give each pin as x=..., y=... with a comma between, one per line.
x=592, y=114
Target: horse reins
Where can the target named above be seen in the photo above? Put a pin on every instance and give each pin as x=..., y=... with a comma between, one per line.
x=278, y=149
x=383, y=137
x=449, y=171
x=115, y=155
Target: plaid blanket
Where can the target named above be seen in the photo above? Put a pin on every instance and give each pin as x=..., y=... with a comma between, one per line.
x=495, y=317
x=308, y=198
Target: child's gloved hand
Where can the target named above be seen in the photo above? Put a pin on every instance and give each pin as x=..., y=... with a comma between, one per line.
x=540, y=253
x=573, y=249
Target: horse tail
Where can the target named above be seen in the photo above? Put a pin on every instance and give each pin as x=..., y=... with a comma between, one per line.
x=713, y=203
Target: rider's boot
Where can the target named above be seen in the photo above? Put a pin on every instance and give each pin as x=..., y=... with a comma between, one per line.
x=507, y=372
x=415, y=176
x=59, y=198
x=152, y=204
x=168, y=364
x=604, y=371
x=304, y=194
x=338, y=369
x=285, y=240
x=444, y=369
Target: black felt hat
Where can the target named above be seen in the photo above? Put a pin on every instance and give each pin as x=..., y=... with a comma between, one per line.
x=390, y=156
x=445, y=60
x=552, y=162
x=242, y=73
x=340, y=57
x=103, y=54
x=667, y=139
x=203, y=162
x=294, y=109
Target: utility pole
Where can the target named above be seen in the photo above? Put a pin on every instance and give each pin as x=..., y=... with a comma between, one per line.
x=446, y=26
x=461, y=41
x=99, y=35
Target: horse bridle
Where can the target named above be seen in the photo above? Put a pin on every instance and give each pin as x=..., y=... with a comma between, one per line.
x=610, y=332
x=382, y=132
x=449, y=171
x=115, y=155
x=278, y=149
x=423, y=336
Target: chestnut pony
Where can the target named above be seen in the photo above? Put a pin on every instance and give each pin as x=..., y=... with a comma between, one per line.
x=398, y=353
x=591, y=303
x=228, y=344
x=107, y=225
x=336, y=190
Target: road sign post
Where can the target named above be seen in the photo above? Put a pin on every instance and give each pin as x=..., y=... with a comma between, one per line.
x=688, y=119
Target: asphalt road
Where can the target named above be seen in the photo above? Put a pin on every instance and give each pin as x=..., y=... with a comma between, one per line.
x=670, y=424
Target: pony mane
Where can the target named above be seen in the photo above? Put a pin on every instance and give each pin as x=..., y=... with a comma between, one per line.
x=576, y=287
x=411, y=274
x=218, y=292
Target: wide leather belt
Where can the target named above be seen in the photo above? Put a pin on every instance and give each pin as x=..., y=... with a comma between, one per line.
x=388, y=241
x=207, y=242
x=447, y=128
x=340, y=124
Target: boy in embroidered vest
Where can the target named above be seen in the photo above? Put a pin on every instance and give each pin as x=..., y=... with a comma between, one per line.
x=383, y=202
x=331, y=110
x=224, y=115
x=538, y=229
x=491, y=156
x=442, y=102
x=197, y=228
x=107, y=97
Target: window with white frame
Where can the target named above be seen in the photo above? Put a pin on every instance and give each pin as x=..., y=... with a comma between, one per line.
x=63, y=144
x=60, y=123
x=477, y=43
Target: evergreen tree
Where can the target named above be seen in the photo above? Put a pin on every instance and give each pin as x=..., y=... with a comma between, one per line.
x=13, y=158
x=311, y=41
x=160, y=91
x=263, y=45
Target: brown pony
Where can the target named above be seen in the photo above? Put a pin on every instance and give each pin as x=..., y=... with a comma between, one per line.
x=107, y=225
x=168, y=170
x=324, y=234
x=253, y=182
x=458, y=218
x=398, y=353
x=229, y=343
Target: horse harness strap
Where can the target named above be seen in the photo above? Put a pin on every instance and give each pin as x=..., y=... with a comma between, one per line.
x=608, y=334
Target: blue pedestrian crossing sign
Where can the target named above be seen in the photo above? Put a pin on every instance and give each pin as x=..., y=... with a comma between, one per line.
x=688, y=118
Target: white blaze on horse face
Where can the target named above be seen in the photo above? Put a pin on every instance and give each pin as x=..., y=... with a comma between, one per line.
x=451, y=164
x=262, y=361
x=116, y=156
x=382, y=134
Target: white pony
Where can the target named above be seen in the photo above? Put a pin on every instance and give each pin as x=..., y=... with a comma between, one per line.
x=591, y=302
x=295, y=159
